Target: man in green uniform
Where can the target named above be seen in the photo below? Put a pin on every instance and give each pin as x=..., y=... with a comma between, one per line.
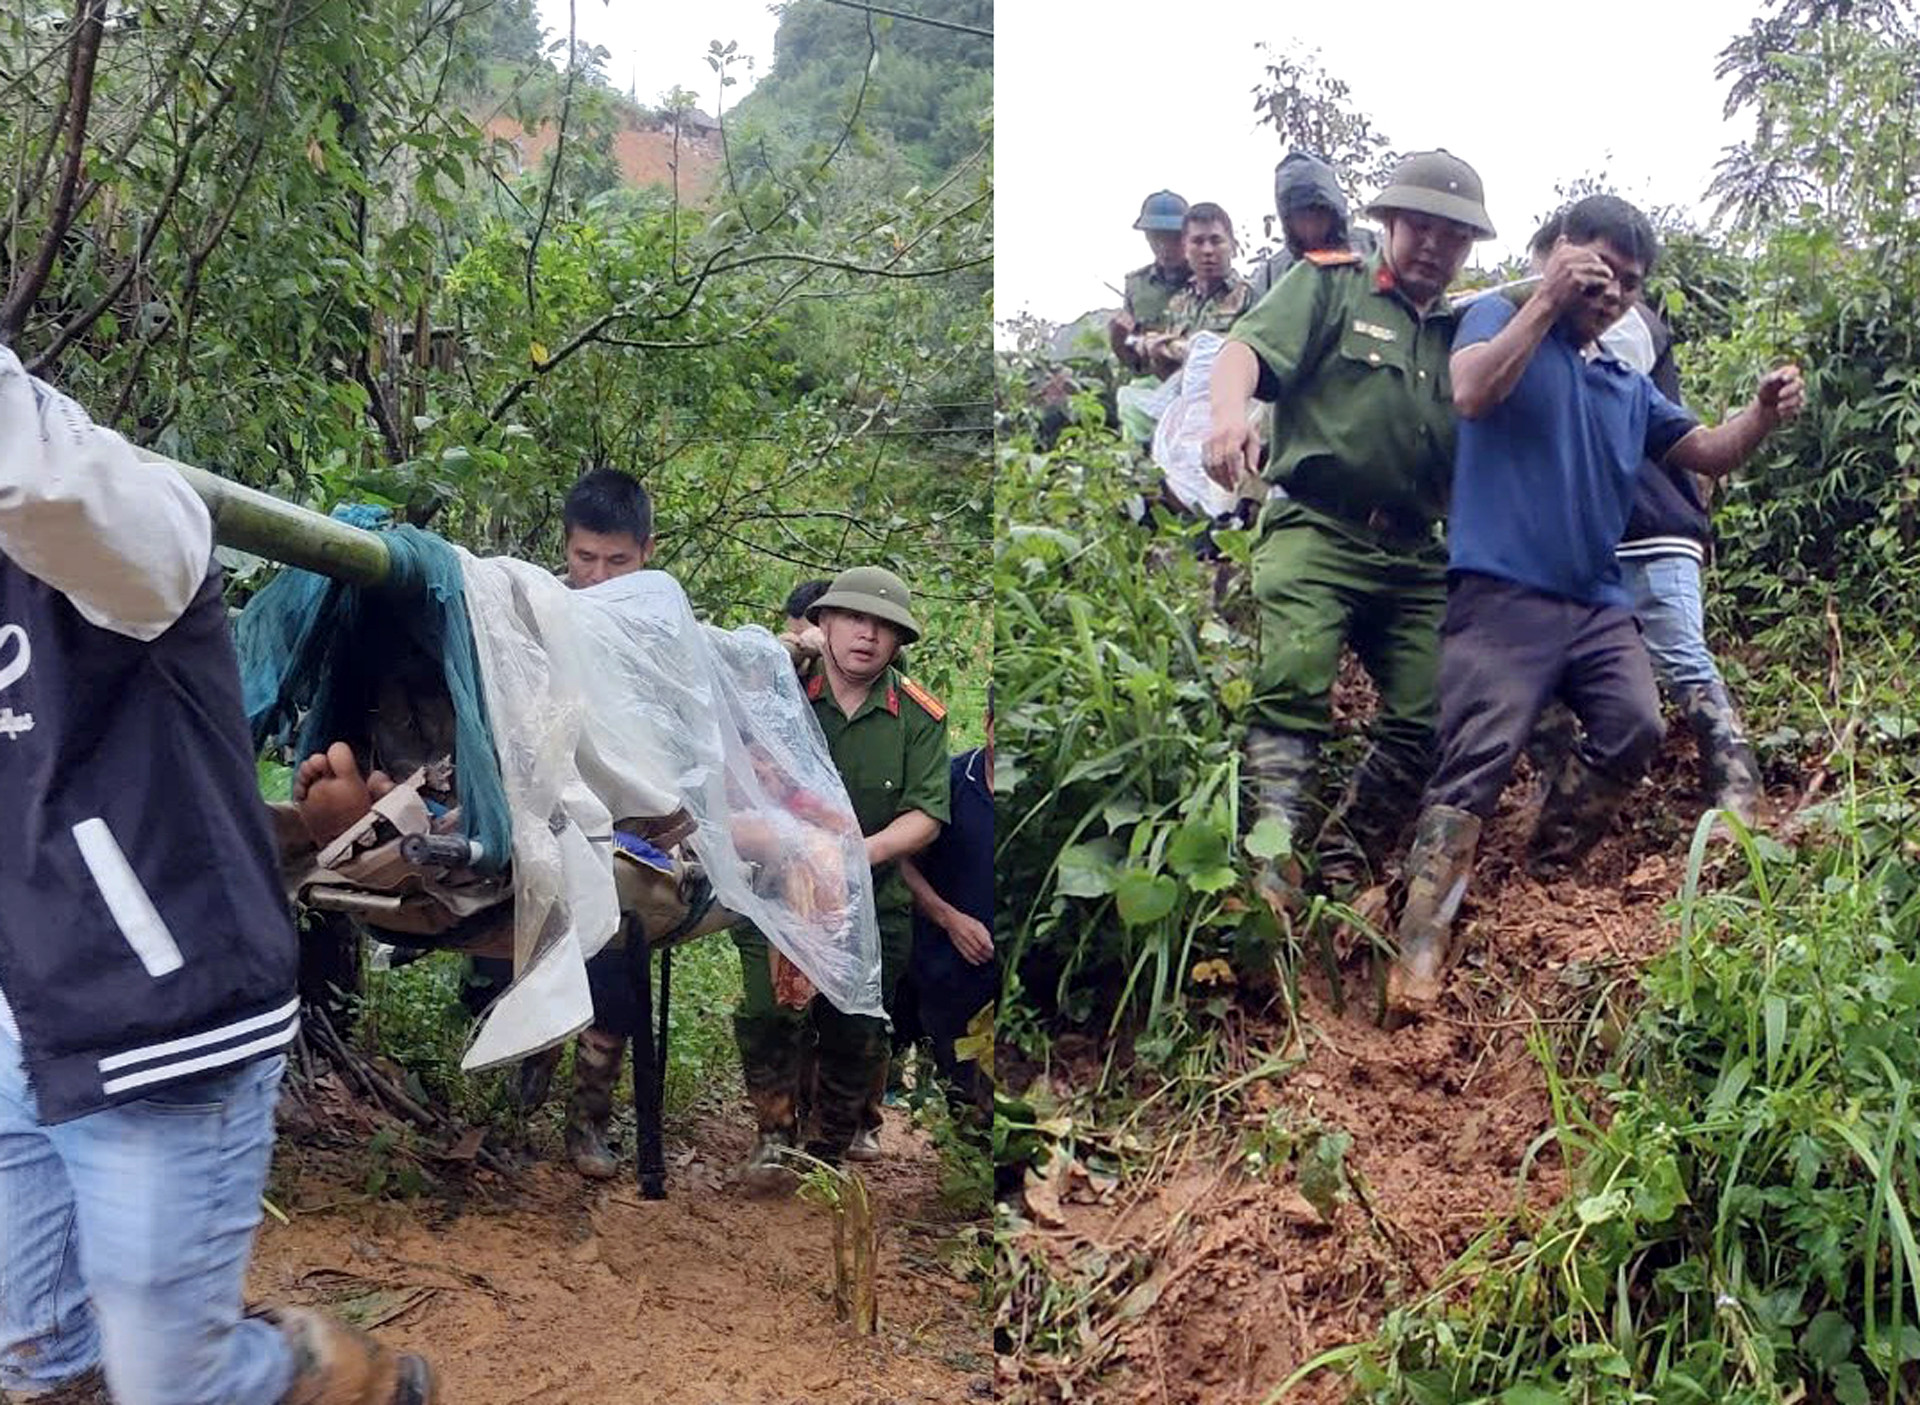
x=1147, y=290
x=1352, y=352
x=1212, y=300
x=888, y=739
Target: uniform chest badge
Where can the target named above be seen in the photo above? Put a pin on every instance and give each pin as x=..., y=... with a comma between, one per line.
x=1375, y=330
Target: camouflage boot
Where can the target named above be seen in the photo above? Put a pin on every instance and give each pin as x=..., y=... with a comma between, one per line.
x=1365, y=827
x=1279, y=769
x=772, y=1057
x=596, y=1068
x=1581, y=802
x=334, y=1364
x=87, y=1388
x=1438, y=867
x=1728, y=773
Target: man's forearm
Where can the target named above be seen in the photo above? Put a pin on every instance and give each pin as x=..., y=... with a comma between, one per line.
x=1485, y=373
x=936, y=908
x=1236, y=375
x=1716, y=452
x=908, y=834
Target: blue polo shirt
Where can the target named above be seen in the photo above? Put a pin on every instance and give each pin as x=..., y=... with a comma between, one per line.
x=1543, y=484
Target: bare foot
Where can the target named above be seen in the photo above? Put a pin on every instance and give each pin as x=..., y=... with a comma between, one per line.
x=331, y=793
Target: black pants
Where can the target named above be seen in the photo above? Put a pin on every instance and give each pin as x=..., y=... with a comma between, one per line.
x=1505, y=651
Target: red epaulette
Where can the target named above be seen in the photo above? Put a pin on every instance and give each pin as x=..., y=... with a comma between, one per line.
x=931, y=705
x=1331, y=258
x=816, y=685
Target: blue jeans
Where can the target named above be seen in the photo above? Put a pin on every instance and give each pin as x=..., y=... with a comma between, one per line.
x=1665, y=591
x=124, y=1238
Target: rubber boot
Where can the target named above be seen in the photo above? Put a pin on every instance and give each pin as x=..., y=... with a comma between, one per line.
x=1438, y=867
x=1279, y=768
x=334, y=1364
x=1365, y=827
x=772, y=1058
x=865, y=1145
x=852, y=1064
x=536, y=1078
x=1728, y=772
x=88, y=1388
x=596, y=1068
x=1580, y=804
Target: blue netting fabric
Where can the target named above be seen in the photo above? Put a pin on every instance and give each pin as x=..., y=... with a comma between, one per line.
x=313, y=653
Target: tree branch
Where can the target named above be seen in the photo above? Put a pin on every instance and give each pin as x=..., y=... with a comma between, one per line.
x=90, y=22
x=553, y=171
x=77, y=326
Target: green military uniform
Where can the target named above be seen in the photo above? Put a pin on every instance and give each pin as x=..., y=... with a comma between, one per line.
x=891, y=753
x=1194, y=309
x=1362, y=444
x=1147, y=291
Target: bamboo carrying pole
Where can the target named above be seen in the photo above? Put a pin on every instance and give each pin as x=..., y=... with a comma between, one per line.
x=249, y=520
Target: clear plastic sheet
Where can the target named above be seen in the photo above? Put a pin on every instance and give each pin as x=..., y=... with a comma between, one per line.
x=616, y=703
x=1182, y=429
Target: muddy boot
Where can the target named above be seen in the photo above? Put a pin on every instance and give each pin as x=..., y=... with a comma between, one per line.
x=1438, y=868
x=772, y=1054
x=865, y=1145
x=87, y=1388
x=1580, y=804
x=536, y=1078
x=852, y=1058
x=1279, y=769
x=1365, y=827
x=1728, y=773
x=596, y=1068
x=334, y=1364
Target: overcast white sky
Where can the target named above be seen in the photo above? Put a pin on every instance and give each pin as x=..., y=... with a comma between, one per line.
x=653, y=45
x=1626, y=87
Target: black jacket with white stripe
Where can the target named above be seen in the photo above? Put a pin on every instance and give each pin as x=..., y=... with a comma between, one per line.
x=144, y=936
x=1668, y=518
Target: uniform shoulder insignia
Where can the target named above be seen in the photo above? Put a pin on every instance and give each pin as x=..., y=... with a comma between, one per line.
x=816, y=685
x=931, y=705
x=1332, y=258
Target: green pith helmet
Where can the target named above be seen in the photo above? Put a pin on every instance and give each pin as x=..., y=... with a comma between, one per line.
x=1436, y=183
x=1162, y=210
x=871, y=590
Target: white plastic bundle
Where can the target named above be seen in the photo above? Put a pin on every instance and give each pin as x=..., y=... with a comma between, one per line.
x=615, y=702
x=1182, y=430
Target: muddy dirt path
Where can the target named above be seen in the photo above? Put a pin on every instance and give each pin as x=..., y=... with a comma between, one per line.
x=555, y=1291
x=1246, y=1281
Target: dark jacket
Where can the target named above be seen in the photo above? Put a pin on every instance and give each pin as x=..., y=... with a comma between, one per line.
x=1301, y=182
x=1668, y=517
x=144, y=936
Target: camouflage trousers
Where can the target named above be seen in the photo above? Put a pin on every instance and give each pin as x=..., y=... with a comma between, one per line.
x=1322, y=585
x=816, y=1059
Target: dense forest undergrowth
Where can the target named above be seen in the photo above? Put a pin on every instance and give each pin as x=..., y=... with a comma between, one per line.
x=1658, y=1146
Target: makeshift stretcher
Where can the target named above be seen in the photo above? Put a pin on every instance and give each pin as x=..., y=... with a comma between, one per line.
x=521, y=720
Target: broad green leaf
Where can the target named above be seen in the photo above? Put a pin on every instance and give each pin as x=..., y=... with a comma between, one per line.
x=1269, y=838
x=1144, y=897
x=1086, y=871
x=1828, y=1340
